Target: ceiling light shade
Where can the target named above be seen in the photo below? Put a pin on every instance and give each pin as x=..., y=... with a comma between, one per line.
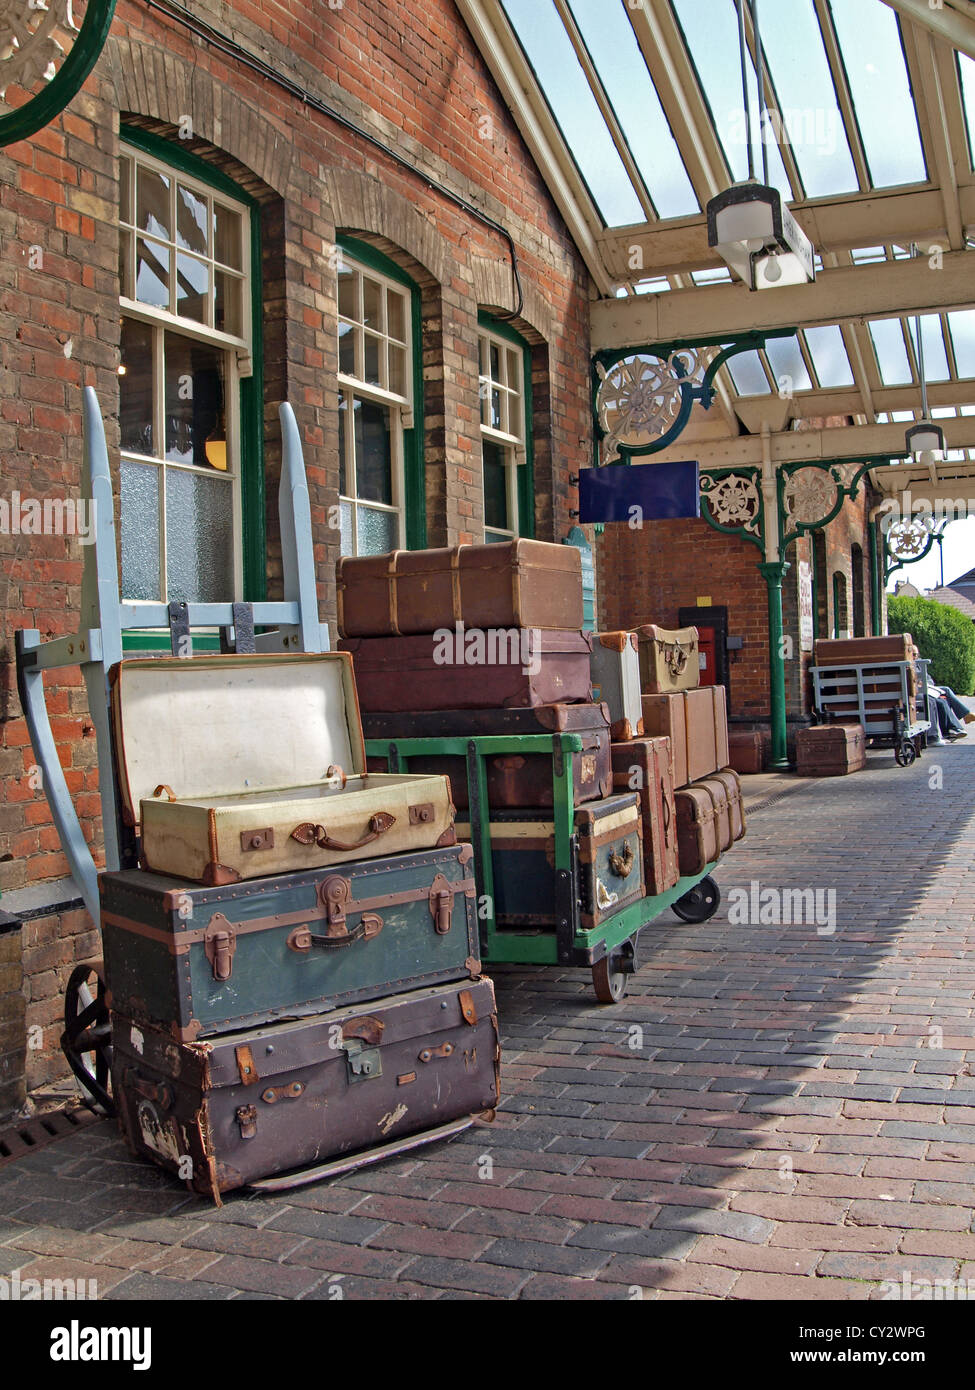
x=925, y=437
x=756, y=235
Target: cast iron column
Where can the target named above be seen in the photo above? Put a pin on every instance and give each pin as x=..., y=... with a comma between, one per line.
x=773, y=574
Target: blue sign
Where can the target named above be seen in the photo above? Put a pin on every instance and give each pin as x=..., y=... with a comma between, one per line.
x=661, y=491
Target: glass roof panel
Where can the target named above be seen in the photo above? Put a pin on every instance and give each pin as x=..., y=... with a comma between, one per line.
x=828, y=353
x=865, y=255
x=563, y=82
x=962, y=328
x=935, y=357
x=797, y=63
x=711, y=34
x=870, y=43
x=616, y=54
x=657, y=286
x=788, y=367
x=891, y=350
x=966, y=72
x=748, y=375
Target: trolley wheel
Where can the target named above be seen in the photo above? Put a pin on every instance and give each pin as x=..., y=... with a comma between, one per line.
x=700, y=903
x=87, y=1038
x=610, y=972
x=905, y=753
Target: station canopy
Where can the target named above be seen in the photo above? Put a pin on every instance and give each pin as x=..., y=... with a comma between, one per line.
x=633, y=111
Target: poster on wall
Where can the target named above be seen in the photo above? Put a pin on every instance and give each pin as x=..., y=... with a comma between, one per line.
x=806, y=629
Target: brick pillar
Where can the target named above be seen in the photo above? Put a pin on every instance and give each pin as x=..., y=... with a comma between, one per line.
x=13, y=1023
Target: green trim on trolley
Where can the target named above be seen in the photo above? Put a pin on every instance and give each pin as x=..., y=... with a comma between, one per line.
x=415, y=499
x=67, y=82
x=526, y=471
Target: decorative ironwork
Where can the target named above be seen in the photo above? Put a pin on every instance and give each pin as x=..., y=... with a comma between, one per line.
x=639, y=398
x=47, y=49
x=734, y=502
x=907, y=540
x=809, y=495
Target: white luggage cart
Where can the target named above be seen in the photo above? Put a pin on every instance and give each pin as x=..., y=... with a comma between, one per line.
x=879, y=696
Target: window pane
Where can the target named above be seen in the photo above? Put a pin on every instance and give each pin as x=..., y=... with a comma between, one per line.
x=140, y=530
x=345, y=534
x=152, y=270
x=347, y=295
x=192, y=220
x=347, y=335
x=370, y=371
x=373, y=455
x=228, y=236
x=935, y=357
x=513, y=374
x=748, y=375
x=962, y=325
x=377, y=531
x=124, y=254
x=371, y=303
x=496, y=418
x=152, y=212
x=194, y=402
x=396, y=311
x=343, y=479
x=199, y=537
x=192, y=287
x=125, y=189
x=495, y=362
x=228, y=314
x=787, y=365
x=828, y=353
x=397, y=370
x=892, y=359
x=871, y=46
x=495, y=486
x=135, y=388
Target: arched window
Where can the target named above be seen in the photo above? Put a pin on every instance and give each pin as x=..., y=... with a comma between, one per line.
x=859, y=593
x=505, y=382
x=841, y=605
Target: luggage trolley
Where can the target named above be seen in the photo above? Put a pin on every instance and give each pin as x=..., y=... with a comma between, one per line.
x=293, y=625
x=878, y=695
x=607, y=949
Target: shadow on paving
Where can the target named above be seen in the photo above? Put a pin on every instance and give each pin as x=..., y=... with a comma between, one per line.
x=631, y=1138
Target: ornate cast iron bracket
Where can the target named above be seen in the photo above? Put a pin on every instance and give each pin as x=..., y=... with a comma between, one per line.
x=811, y=495
x=908, y=541
x=642, y=397
x=731, y=502
x=44, y=54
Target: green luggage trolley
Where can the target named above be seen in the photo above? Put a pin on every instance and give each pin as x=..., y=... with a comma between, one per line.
x=607, y=949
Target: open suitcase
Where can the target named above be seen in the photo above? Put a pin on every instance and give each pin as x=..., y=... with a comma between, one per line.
x=247, y=1106
x=196, y=961
x=239, y=767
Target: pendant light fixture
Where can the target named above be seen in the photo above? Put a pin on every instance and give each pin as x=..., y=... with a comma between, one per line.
x=749, y=225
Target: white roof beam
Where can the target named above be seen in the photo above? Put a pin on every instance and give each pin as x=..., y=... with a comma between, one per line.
x=929, y=103
x=954, y=20
x=850, y=442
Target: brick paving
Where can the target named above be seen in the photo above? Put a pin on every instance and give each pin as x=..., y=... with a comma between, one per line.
x=773, y=1111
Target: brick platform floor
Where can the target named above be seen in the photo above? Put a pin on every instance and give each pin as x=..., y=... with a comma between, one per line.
x=773, y=1110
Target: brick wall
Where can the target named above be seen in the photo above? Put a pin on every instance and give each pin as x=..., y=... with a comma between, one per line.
x=413, y=78
x=13, y=1029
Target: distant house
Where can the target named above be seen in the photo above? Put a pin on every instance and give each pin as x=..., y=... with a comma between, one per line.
x=960, y=594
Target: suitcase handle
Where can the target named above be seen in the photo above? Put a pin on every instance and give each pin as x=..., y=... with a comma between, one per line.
x=622, y=864
x=309, y=834
x=666, y=816
x=303, y=939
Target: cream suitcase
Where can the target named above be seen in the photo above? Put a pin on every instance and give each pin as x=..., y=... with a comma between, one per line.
x=668, y=660
x=237, y=767
x=615, y=668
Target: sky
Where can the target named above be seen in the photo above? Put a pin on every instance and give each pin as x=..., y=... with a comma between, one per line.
x=959, y=551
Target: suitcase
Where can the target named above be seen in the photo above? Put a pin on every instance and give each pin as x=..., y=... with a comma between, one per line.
x=514, y=780
x=615, y=667
x=243, y=1106
x=668, y=660
x=736, y=805
x=697, y=829
x=471, y=668
x=863, y=651
x=830, y=750
x=718, y=792
x=702, y=708
x=519, y=583
x=239, y=767
x=722, y=750
x=609, y=863
x=197, y=961
x=643, y=765
x=746, y=751
x=665, y=716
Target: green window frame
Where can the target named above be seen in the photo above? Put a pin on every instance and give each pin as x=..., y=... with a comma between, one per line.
x=413, y=501
x=252, y=535
x=524, y=489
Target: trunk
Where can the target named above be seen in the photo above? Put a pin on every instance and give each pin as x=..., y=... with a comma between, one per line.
x=718, y=792
x=861, y=651
x=616, y=679
x=668, y=660
x=736, y=805
x=244, y=1106
x=722, y=748
x=520, y=584
x=746, y=751
x=697, y=831
x=609, y=863
x=471, y=669
x=702, y=732
x=643, y=765
x=665, y=716
x=197, y=961
x=830, y=750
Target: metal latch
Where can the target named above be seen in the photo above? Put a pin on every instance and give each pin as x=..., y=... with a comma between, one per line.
x=257, y=839
x=441, y=904
x=290, y=1092
x=428, y=1053
x=247, y=1119
x=422, y=814
x=220, y=943
x=364, y=1063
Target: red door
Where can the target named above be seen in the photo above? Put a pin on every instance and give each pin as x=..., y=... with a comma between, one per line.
x=708, y=656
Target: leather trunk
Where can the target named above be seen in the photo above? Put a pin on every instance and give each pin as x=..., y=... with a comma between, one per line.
x=830, y=750
x=615, y=669
x=643, y=765
x=471, y=669
x=695, y=721
x=746, y=751
x=665, y=716
x=514, y=780
x=864, y=651
x=736, y=805
x=241, y=767
x=519, y=583
x=697, y=829
x=722, y=750
x=718, y=792
x=197, y=961
x=272, y=1100
x=669, y=660
x=608, y=864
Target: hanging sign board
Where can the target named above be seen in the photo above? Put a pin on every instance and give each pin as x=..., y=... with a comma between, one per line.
x=805, y=606
x=640, y=492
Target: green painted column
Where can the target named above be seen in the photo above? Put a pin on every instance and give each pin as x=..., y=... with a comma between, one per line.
x=773, y=573
x=875, y=580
